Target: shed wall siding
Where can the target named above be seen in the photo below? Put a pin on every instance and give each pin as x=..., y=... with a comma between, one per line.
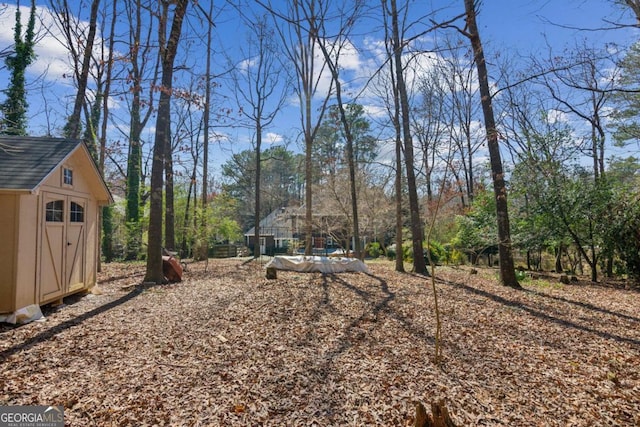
x=93, y=241
x=8, y=236
x=26, y=249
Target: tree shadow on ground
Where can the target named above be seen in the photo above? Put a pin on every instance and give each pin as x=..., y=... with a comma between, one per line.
x=585, y=305
x=67, y=324
x=377, y=299
x=547, y=317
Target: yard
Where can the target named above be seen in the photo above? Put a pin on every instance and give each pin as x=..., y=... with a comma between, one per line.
x=227, y=347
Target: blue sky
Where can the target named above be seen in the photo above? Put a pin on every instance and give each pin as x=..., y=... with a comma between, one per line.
x=523, y=25
x=517, y=28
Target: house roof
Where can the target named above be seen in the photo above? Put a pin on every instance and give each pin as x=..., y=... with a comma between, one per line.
x=276, y=223
x=279, y=222
x=25, y=162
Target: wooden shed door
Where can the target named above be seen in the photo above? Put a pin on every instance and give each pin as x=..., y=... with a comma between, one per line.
x=52, y=247
x=63, y=245
x=75, y=250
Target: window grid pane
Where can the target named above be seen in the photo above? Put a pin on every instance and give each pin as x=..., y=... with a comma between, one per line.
x=55, y=211
x=76, y=213
x=68, y=176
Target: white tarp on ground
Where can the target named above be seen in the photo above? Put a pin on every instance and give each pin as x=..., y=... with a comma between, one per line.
x=24, y=315
x=320, y=264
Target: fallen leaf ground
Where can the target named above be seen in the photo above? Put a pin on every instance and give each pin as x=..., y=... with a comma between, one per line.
x=226, y=347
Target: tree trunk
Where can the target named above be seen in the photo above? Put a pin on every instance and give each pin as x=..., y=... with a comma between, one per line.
x=256, y=239
x=185, y=222
x=559, y=259
x=419, y=263
x=168, y=52
x=73, y=125
x=439, y=415
x=507, y=269
x=134, y=165
x=359, y=253
x=134, y=158
x=399, y=261
x=398, y=191
x=593, y=263
x=169, y=211
x=107, y=211
x=308, y=177
x=398, y=176
x=205, y=142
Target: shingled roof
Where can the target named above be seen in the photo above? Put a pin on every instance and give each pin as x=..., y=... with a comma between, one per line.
x=26, y=161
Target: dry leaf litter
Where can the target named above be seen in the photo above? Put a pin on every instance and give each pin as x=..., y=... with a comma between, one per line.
x=226, y=347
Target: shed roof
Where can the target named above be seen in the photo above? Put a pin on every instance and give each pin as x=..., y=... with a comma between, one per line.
x=25, y=161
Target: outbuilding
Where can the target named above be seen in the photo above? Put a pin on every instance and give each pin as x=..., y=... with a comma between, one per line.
x=51, y=193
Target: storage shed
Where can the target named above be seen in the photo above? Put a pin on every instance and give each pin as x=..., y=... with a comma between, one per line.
x=50, y=197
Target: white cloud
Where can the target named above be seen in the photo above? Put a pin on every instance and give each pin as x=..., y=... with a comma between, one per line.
x=273, y=138
x=376, y=111
x=52, y=55
x=557, y=116
x=245, y=65
x=349, y=57
x=349, y=64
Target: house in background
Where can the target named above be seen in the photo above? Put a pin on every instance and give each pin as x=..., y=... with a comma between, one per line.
x=278, y=231
x=51, y=193
x=282, y=231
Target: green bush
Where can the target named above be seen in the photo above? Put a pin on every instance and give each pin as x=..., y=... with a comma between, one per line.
x=374, y=250
x=521, y=275
x=455, y=257
x=451, y=255
x=436, y=252
x=391, y=252
x=407, y=252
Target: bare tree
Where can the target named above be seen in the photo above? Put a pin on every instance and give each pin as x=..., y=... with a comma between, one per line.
x=507, y=268
x=107, y=211
x=386, y=89
x=430, y=123
x=206, y=117
x=142, y=75
x=81, y=50
x=168, y=49
x=297, y=22
x=582, y=81
x=189, y=127
x=331, y=49
x=459, y=75
x=261, y=89
x=634, y=5
x=397, y=47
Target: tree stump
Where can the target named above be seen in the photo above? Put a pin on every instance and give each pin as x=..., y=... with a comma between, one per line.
x=272, y=273
x=439, y=415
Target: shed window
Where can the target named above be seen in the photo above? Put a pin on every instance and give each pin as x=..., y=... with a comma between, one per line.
x=55, y=211
x=67, y=176
x=76, y=213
